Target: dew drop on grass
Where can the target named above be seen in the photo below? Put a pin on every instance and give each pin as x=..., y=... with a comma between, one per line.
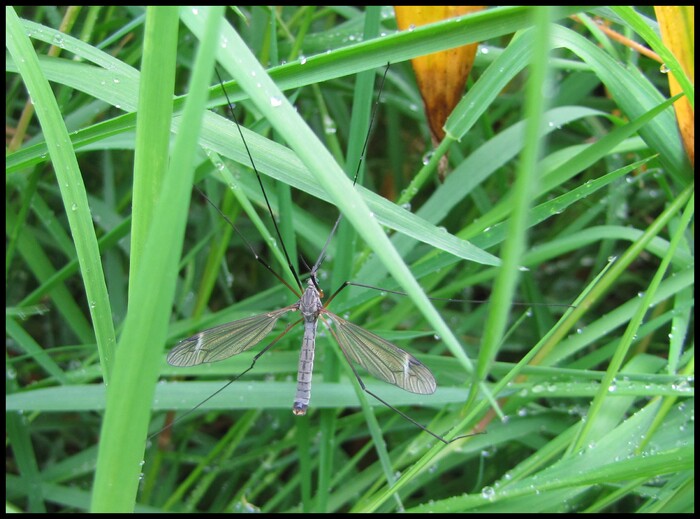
x=488, y=493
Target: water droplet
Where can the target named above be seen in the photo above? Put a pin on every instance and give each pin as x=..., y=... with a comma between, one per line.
x=329, y=125
x=411, y=27
x=426, y=158
x=302, y=59
x=664, y=69
x=488, y=493
x=275, y=101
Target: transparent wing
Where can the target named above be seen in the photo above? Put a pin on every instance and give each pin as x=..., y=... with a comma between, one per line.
x=382, y=359
x=226, y=340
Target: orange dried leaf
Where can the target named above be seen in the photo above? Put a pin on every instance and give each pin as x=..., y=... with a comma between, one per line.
x=441, y=76
x=677, y=24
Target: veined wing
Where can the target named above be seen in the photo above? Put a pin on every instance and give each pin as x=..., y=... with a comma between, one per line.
x=226, y=340
x=380, y=358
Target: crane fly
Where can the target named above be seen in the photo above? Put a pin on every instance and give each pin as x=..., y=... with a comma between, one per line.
x=379, y=357
x=382, y=359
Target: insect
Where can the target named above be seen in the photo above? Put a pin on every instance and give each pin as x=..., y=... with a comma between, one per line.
x=379, y=357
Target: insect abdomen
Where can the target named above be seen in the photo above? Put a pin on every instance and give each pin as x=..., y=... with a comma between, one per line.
x=306, y=366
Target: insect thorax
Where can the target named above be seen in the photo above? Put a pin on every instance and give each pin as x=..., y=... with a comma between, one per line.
x=310, y=303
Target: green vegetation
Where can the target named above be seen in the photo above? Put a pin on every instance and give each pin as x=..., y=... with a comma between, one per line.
x=576, y=207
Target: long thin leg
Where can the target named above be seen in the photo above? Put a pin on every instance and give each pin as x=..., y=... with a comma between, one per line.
x=322, y=256
x=448, y=299
x=252, y=250
x=267, y=202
